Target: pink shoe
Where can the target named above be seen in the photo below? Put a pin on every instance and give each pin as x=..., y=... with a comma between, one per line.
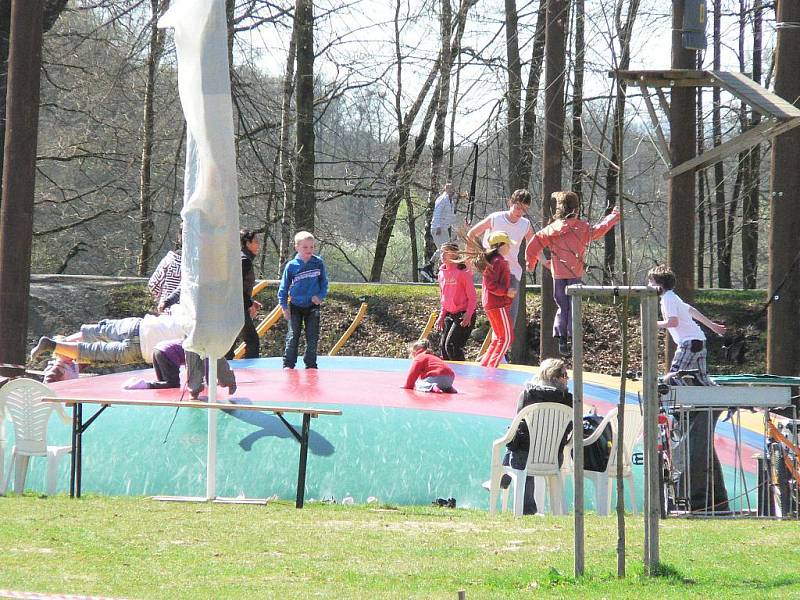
x=60, y=368
x=436, y=389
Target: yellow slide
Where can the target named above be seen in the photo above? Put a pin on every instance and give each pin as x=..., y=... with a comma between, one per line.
x=266, y=324
x=353, y=326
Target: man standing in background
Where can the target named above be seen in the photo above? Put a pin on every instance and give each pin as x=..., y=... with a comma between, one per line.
x=443, y=219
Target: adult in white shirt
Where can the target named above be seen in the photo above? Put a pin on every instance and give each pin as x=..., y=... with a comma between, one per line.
x=444, y=216
x=442, y=220
x=518, y=228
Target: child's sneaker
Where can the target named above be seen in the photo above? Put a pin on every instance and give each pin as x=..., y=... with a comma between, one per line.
x=436, y=389
x=60, y=368
x=427, y=273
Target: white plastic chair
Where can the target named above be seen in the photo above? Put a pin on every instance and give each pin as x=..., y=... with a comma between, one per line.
x=30, y=416
x=602, y=481
x=547, y=422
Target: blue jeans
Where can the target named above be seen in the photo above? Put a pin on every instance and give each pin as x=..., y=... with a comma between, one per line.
x=111, y=341
x=300, y=316
x=562, y=323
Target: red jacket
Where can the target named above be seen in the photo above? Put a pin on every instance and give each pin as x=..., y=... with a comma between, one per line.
x=424, y=364
x=567, y=240
x=457, y=291
x=496, y=281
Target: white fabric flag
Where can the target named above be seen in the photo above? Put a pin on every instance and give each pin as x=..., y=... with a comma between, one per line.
x=211, y=272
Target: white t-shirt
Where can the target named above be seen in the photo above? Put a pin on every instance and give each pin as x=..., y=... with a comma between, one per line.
x=498, y=221
x=687, y=329
x=444, y=215
x=162, y=328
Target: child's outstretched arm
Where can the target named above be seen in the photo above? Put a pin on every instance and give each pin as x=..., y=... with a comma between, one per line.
x=479, y=229
x=535, y=247
x=605, y=224
x=717, y=328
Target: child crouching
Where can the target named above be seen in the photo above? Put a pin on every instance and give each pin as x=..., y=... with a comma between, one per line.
x=428, y=372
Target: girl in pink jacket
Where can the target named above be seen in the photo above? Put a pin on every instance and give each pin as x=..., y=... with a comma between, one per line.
x=567, y=237
x=458, y=301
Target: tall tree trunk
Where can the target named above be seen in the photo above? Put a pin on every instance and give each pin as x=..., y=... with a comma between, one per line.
x=783, y=326
x=50, y=12
x=304, y=197
x=287, y=175
x=513, y=96
x=19, y=179
x=681, y=195
x=577, y=101
x=437, y=147
x=514, y=148
x=723, y=264
x=701, y=175
x=625, y=30
x=532, y=96
x=751, y=200
x=146, y=225
x=412, y=234
x=555, y=65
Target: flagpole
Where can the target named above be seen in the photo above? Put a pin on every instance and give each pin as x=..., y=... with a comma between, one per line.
x=211, y=458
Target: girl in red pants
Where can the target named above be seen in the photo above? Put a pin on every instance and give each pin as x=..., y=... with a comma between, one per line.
x=497, y=296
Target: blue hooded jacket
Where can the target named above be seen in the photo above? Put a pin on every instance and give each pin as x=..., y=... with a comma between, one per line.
x=302, y=280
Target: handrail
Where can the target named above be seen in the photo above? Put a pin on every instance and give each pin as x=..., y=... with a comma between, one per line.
x=428, y=326
x=353, y=326
x=486, y=343
x=266, y=324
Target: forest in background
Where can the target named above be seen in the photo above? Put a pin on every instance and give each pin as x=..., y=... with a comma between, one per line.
x=404, y=97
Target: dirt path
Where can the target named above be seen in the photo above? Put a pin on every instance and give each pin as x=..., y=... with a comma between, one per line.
x=59, y=304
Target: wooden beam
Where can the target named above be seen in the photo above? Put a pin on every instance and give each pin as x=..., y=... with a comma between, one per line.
x=754, y=95
x=662, y=146
x=662, y=100
x=766, y=130
x=668, y=78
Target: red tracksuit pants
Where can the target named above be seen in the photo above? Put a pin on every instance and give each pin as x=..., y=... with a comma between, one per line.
x=502, y=336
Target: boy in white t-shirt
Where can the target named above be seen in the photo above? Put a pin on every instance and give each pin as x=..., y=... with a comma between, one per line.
x=514, y=222
x=679, y=320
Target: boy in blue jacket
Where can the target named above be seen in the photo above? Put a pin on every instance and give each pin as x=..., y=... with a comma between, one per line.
x=304, y=285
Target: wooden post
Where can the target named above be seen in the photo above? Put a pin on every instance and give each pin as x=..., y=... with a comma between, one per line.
x=652, y=508
x=577, y=429
x=19, y=177
x=652, y=513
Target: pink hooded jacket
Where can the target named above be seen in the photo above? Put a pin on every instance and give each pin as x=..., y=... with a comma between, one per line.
x=567, y=240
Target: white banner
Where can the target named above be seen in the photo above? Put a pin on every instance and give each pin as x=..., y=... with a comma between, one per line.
x=211, y=272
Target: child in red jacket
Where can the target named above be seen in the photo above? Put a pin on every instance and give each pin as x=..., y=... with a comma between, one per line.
x=497, y=296
x=567, y=237
x=428, y=372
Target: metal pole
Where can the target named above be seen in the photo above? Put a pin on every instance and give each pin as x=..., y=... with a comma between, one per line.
x=649, y=316
x=211, y=457
x=301, y=471
x=577, y=429
x=19, y=177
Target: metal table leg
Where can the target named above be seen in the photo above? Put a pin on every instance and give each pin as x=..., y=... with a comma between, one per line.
x=301, y=474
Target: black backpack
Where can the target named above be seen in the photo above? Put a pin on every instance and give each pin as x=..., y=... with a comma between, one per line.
x=595, y=456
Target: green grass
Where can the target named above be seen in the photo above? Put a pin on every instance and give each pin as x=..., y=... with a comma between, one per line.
x=138, y=548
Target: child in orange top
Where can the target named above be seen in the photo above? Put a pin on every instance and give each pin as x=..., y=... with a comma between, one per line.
x=567, y=237
x=428, y=372
x=497, y=296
